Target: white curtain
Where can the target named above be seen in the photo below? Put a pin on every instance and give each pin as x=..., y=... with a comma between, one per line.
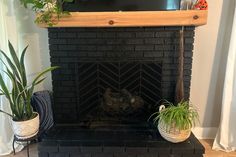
x=226, y=136
x=6, y=133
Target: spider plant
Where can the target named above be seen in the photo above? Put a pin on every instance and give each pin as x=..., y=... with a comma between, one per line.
x=20, y=92
x=182, y=116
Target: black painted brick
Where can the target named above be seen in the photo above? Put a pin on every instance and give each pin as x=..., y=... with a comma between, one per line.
x=125, y=35
x=86, y=48
x=86, y=35
x=153, y=54
x=53, y=47
x=113, y=149
x=173, y=28
x=59, y=154
x=102, y=154
x=125, y=154
x=147, y=155
x=43, y=154
x=66, y=35
x=182, y=148
x=169, y=155
x=96, y=54
x=145, y=34
x=52, y=35
x=189, y=33
x=106, y=35
x=136, y=149
x=91, y=149
x=192, y=155
x=123, y=48
x=67, y=47
x=154, y=41
x=154, y=28
x=159, y=147
x=48, y=147
x=80, y=154
x=114, y=42
x=144, y=47
x=135, y=54
x=104, y=48
x=134, y=41
x=166, y=34
x=57, y=41
x=77, y=54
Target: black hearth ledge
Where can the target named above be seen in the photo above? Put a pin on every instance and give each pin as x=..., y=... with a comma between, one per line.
x=72, y=141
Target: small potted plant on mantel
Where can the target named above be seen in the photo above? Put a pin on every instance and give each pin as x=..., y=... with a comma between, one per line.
x=25, y=121
x=48, y=11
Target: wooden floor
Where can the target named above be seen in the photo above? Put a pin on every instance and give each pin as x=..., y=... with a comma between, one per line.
x=207, y=144
x=211, y=153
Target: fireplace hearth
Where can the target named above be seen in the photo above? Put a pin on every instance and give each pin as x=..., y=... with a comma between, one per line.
x=109, y=82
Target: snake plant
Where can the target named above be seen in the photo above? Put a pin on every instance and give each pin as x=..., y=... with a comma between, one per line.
x=20, y=92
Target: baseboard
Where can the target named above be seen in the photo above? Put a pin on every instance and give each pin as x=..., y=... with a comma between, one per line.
x=205, y=132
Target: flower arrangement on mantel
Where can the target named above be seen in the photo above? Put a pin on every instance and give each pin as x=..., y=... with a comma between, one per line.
x=48, y=11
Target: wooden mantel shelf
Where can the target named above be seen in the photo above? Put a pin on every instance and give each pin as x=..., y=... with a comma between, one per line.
x=133, y=19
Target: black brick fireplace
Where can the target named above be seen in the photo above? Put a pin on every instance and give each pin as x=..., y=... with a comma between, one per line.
x=138, y=63
x=143, y=60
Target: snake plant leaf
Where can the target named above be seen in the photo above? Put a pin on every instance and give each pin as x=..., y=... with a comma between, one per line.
x=23, y=75
x=43, y=73
x=12, y=66
x=6, y=113
x=39, y=81
x=4, y=87
x=14, y=57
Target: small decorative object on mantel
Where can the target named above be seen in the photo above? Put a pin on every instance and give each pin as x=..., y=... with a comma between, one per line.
x=174, y=122
x=25, y=122
x=201, y=5
x=193, y=5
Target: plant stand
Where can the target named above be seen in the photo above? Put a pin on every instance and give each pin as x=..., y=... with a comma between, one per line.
x=27, y=140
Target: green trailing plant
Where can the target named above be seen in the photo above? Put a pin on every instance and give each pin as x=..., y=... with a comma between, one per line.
x=182, y=116
x=20, y=92
x=48, y=11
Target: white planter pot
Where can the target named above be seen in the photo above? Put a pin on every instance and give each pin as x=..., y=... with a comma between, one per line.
x=26, y=129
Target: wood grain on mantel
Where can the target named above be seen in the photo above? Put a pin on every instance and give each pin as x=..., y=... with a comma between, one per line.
x=133, y=19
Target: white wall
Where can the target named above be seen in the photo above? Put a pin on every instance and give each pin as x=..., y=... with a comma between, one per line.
x=210, y=52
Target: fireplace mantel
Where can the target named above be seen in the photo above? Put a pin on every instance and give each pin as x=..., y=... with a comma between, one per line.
x=133, y=19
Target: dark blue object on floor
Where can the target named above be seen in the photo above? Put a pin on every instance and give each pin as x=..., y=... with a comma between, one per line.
x=41, y=102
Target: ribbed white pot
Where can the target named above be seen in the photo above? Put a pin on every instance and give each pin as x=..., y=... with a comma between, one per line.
x=26, y=129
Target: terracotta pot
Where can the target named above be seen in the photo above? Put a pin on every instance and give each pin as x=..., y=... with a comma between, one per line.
x=26, y=129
